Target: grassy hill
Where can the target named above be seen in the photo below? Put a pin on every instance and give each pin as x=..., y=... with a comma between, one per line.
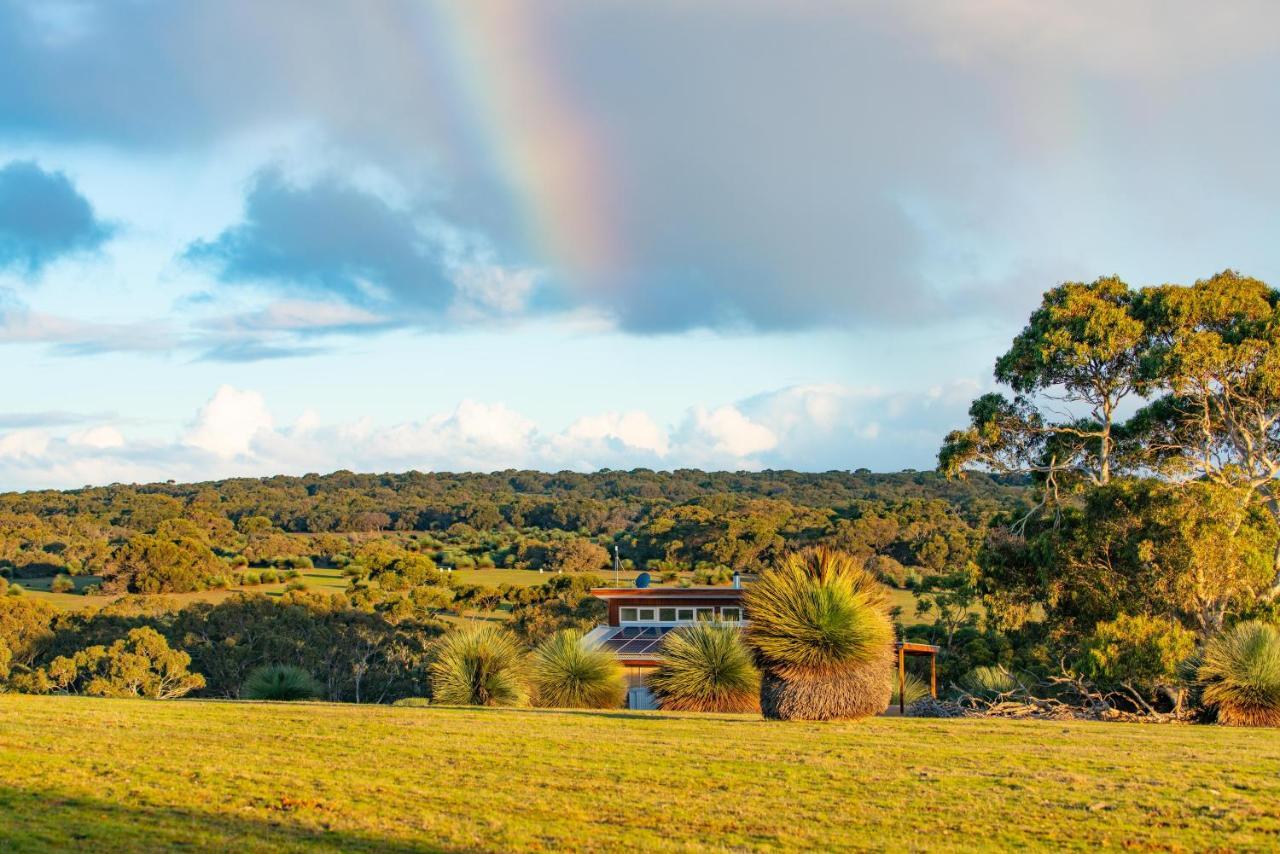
x=215, y=775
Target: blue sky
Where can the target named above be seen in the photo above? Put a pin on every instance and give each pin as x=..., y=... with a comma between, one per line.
x=244, y=239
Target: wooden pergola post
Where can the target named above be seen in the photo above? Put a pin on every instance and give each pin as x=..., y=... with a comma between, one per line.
x=902, y=681
x=933, y=676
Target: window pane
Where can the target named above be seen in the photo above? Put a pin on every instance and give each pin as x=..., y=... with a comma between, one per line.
x=628, y=615
x=646, y=614
x=706, y=613
x=731, y=615
x=667, y=615
x=684, y=613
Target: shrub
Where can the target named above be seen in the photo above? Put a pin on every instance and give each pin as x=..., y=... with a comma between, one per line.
x=569, y=674
x=293, y=573
x=15, y=589
x=1240, y=675
x=821, y=634
x=251, y=578
x=915, y=690
x=1139, y=654
x=62, y=584
x=412, y=702
x=296, y=584
x=142, y=664
x=91, y=590
x=280, y=682
x=269, y=576
x=479, y=666
x=988, y=682
x=239, y=562
x=706, y=668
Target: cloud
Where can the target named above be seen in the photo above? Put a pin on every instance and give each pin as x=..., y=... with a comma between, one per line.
x=329, y=239
x=70, y=337
x=43, y=217
x=811, y=427
x=49, y=418
x=227, y=425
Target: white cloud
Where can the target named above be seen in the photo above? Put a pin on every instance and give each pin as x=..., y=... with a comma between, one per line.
x=102, y=436
x=227, y=424
x=810, y=427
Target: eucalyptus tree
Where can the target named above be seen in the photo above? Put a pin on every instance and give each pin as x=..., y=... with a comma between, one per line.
x=1070, y=370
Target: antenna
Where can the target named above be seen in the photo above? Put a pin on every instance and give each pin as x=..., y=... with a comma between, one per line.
x=617, y=567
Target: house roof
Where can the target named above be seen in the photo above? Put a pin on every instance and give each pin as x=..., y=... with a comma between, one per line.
x=667, y=592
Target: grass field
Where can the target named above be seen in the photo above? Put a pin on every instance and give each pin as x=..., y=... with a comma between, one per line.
x=121, y=775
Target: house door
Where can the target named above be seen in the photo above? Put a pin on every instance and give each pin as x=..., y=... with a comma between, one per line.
x=640, y=697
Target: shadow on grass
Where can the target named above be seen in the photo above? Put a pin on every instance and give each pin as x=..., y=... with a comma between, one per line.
x=43, y=820
x=619, y=714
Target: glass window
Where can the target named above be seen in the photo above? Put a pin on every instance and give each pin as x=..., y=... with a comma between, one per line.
x=647, y=615
x=627, y=615
x=706, y=613
x=684, y=615
x=666, y=615
x=731, y=615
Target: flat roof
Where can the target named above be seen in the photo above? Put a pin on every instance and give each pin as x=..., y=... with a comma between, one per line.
x=666, y=592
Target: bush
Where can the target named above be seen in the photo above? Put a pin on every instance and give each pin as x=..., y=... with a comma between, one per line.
x=296, y=584
x=91, y=590
x=142, y=664
x=915, y=690
x=706, y=668
x=239, y=562
x=251, y=578
x=15, y=589
x=987, y=683
x=568, y=674
x=412, y=702
x=62, y=584
x=479, y=666
x=280, y=682
x=821, y=634
x=1139, y=654
x=1240, y=675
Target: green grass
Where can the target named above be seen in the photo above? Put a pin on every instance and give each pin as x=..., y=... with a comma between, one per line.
x=127, y=775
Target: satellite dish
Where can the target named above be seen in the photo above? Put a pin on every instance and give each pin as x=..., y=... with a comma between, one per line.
x=642, y=580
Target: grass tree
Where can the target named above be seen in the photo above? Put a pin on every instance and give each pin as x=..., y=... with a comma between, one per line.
x=1239, y=673
x=706, y=668
x=480, y=665
x=568, y=673
x=280, y=682
x=820, y=631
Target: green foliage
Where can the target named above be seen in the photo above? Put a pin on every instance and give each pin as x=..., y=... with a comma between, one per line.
x=413, y=702
x=281, y=682
x=148, y=564
x=569, y=674
x=817, y=610
x=916, y=689
x=1240, y=675
x=706, y=668
x=989, y=682
x=1139, y=653
x=62, y=584
x=479, y=665
x=139, y=665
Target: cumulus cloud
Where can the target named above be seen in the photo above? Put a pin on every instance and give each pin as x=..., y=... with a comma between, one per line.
x=43, y=217
x=235, y=434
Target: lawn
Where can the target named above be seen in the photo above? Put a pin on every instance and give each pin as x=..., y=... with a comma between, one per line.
x=119, y=774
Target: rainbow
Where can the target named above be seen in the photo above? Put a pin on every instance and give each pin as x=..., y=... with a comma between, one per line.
x=525, y=121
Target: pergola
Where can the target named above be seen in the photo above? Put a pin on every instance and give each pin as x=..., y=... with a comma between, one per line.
x=905, y=648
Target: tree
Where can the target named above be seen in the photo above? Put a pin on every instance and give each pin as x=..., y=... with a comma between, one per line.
x=577, y=555
x=139, y=665
x=148, y=564
x=1215, y=353
x=1071, y=368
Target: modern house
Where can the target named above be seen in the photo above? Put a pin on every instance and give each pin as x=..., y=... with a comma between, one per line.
x=640, y=617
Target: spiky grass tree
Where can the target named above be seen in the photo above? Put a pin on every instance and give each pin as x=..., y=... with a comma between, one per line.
x=1240, y=675
x=915, y=691
x=705, y=668
x=481, y=665
x=569, y=674
x=821, y=634
x=280, y=682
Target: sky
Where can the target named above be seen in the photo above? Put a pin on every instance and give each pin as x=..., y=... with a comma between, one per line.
x=245, y=239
